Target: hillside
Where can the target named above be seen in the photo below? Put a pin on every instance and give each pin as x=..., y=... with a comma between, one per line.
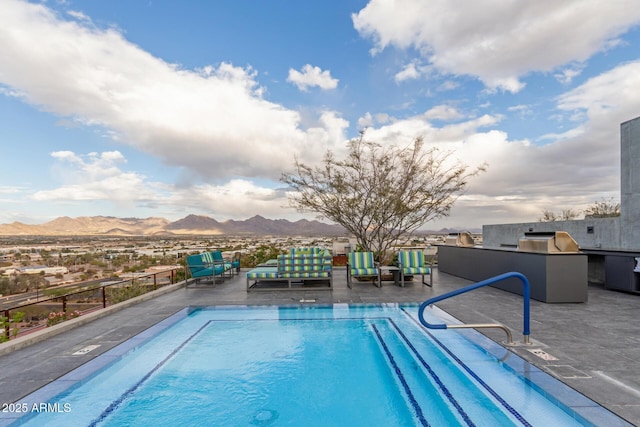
x=190, y=225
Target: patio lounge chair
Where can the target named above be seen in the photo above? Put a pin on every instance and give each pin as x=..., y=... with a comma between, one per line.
x=412, y=262
x=362, y=264
x=204, y=266
x=235, y=262
x=218, y=260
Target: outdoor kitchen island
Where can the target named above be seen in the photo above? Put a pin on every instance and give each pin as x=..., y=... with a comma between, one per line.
x=556, y=270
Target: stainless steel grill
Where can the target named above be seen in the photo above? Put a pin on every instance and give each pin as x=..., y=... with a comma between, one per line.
x=547, y=242
x=460, y=239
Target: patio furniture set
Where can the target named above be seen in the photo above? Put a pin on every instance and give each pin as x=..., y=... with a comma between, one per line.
x=212, y=266
x=410, y=263
x=313, y=268
x=308, y=267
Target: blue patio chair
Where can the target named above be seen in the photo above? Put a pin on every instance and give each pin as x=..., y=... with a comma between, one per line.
x=199, y=269
x=206, y=265
x=223, y=266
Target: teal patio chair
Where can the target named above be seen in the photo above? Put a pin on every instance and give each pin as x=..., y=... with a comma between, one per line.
x=220, y=263
x=199, y=269
x=362, y=264
x=235, y=262
x=412, y=263
x=207, y=265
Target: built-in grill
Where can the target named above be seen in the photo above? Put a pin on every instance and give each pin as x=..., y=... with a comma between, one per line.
x=460, y=239
x=547, y=242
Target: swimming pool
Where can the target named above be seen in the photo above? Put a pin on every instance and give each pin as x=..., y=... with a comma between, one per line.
x=314, y=366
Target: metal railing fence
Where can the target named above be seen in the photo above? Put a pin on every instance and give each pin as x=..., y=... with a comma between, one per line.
x=48, y=311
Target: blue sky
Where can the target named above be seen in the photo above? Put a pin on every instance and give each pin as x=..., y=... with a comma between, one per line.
x=168, y=108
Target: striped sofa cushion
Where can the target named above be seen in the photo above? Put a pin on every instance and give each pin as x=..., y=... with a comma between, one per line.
x=304, y=266
x=304, y=274
x=364, y=271
x=263, y=273
x=416, y=270
x=362, y=264
x=358, y=260
x=301, y=251
x=207, y=258
x=299, y=264
x=216, y=257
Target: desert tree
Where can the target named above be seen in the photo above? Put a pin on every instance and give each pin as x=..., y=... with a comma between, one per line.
x=548, y=216
x=603, y=209
x=379, y=193
x=569, y=214
x=565, y=215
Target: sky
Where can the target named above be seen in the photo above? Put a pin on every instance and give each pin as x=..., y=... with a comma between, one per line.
x=165, y=108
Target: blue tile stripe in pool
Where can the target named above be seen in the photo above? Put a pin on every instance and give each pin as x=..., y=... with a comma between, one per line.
x=499, y=398
x=435, y=377
x=403, y=381
x=116, y=403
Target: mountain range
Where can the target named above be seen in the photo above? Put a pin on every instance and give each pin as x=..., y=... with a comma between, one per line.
x=190, y=225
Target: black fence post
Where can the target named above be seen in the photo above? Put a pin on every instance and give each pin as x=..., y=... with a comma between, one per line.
x=6, y=324
x=104, y=297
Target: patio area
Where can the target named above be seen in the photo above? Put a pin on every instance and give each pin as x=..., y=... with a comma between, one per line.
x=593, y=347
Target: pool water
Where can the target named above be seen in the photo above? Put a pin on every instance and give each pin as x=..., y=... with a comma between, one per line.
x=341, y=365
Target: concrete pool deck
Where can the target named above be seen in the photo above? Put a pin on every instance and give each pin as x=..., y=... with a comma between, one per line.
x=592, y=347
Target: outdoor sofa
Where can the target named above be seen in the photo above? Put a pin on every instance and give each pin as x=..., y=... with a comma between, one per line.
x=294, y=270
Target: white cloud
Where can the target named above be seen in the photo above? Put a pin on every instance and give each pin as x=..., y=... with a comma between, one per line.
x=567, y=75
x=98, y=177
x=448, y=85
x=616, y=90
x=212, y=121
x=370, y=120
x=312, y=77
x=382, y=118
x=443, y=112
x=95, y=177
x=522, y=110
x=237, y=198
x=522, y=178
x=498, y=41
x=571, y=133
x=7, y=189
x=450, y=137
x=365, y=121
x=79, y=16
x=409, y=72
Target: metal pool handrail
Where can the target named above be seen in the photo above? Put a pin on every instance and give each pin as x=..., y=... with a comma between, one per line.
x=526, y=294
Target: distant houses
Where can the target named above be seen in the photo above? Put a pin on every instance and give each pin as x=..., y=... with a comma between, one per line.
x=37, y=269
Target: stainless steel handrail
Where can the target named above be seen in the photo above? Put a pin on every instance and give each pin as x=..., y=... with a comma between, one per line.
x=526, y=295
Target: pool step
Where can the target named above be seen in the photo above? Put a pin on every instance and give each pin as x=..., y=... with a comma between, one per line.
x=423, y=397
x=439, y=391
